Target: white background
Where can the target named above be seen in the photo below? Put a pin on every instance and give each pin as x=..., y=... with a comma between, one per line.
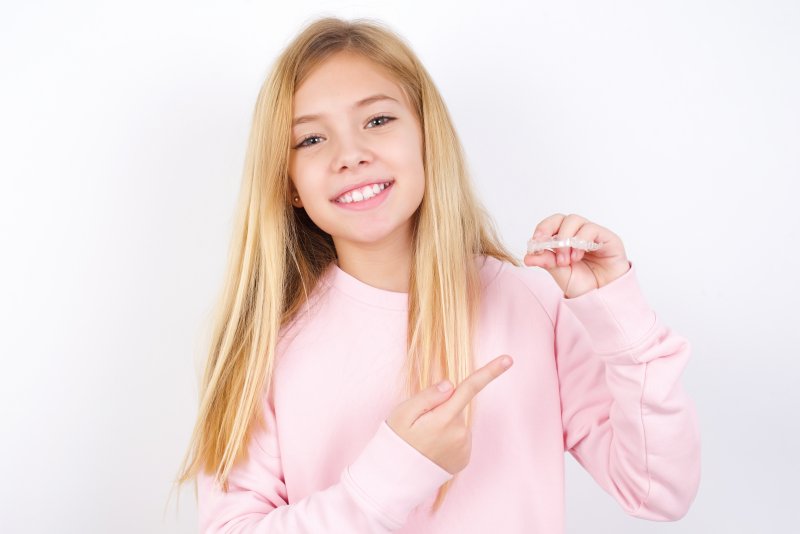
x=123, y=130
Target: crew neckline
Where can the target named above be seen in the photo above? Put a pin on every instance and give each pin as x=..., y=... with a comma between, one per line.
x=363, y=292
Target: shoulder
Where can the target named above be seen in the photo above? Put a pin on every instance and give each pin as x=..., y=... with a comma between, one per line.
x=309, y=311
x=507, y=282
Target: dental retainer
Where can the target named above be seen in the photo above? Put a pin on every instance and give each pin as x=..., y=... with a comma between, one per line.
x=535, y=246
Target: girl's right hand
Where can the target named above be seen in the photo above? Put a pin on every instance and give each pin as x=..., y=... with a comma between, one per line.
x=431, y=420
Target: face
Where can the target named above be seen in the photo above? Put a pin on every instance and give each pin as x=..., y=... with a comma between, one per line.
x=349, y=143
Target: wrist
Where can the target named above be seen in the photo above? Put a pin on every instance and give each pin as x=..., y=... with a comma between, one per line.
x=614, y=273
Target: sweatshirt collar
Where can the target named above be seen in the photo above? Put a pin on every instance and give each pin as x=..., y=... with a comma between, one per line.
x=367, y=294
x=363, y=292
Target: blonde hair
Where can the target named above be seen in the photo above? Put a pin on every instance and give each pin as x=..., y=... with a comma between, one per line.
x=278, y=254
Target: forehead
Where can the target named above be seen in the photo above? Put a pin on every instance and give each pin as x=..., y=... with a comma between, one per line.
x=341, y=80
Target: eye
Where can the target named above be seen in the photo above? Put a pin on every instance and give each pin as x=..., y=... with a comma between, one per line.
x=304, y=141
x=381, y=117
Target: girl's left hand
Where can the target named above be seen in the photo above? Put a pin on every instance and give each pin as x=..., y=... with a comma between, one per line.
x=578, y=271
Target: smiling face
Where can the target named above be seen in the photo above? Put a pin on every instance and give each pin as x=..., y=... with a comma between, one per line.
x=351, y=141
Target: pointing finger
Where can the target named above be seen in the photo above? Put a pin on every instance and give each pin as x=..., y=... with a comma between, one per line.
x=471, y=385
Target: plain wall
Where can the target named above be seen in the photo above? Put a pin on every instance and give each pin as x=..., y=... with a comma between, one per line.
x=124, y=126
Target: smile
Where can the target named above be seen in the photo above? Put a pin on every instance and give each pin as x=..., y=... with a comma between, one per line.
x=363, y=193
x=365, y=198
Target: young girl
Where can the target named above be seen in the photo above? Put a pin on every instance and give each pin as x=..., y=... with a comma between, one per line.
x=360, y=376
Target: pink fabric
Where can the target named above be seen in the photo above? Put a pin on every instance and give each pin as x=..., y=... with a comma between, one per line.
x=597, y=375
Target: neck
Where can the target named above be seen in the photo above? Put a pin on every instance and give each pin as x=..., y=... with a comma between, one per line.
x=385, y=265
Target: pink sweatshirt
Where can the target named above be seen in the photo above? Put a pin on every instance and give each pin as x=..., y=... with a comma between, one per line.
x=597, y=375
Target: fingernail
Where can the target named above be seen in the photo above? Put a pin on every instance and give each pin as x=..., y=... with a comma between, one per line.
x=506, y=362
x=444, y=385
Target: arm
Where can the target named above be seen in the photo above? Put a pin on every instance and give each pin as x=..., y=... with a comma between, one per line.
x=626, y=418
x=375, y=493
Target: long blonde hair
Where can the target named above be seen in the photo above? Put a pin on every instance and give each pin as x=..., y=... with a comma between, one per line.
x=278, y=254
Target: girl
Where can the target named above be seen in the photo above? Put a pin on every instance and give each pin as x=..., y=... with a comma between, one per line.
x=360, y=378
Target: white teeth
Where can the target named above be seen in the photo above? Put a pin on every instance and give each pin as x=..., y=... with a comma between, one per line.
x=364, y=193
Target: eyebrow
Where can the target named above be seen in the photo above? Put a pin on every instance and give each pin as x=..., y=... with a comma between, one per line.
x=360, y=103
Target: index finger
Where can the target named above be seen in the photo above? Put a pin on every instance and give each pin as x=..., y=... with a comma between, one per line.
x=471, y=385
x=547, y=227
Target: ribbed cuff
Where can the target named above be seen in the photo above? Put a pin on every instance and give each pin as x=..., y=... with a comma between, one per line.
x=617, y=315
x=391, y=477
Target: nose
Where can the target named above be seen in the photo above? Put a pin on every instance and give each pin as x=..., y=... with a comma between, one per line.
x=351, y=154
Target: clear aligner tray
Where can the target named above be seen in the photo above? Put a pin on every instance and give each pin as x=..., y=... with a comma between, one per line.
x=538, y=246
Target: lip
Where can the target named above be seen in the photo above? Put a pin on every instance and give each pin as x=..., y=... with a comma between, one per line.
x=370, y=203
x=360, y=185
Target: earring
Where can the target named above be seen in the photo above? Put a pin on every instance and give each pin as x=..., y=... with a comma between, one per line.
x=297, y=199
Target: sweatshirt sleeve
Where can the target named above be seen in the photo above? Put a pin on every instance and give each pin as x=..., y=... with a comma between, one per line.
x=626, y=417
x=374, y=494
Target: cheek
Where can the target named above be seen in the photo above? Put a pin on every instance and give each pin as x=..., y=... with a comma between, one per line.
x=291, y=169
x=407, y=152
x=412, y=173
x=416, y=165
x=302, y=174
